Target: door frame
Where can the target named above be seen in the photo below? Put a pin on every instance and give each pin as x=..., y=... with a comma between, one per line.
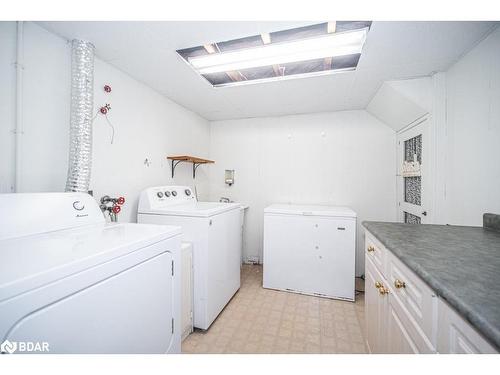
x=422, y=125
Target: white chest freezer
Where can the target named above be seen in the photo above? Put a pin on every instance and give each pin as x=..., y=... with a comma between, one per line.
x=310, y=250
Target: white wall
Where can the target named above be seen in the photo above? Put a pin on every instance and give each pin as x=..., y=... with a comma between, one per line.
x=464, y=103
x=339, y=158
x=472, y=135
x=147, y=125
x=46, y=101
x=7, y=104
x=399, y=103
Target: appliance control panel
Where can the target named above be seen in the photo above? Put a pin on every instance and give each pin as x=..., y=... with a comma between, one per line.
x=162, y=196
x=32, y=213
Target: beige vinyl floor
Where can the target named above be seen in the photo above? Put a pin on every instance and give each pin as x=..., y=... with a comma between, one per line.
x=259, y=320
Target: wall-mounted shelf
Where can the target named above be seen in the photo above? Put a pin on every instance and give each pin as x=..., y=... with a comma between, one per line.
x=188, y=159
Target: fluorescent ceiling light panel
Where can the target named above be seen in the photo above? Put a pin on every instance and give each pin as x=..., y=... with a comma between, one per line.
x=306, y=51
x=329, y=45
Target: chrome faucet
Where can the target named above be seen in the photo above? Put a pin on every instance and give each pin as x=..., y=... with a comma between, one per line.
x=224, y=200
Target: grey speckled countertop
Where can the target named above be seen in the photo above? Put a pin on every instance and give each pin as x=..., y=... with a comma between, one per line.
x=461, y=264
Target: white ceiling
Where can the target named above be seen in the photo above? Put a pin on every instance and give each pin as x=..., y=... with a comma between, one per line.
x=394, y=50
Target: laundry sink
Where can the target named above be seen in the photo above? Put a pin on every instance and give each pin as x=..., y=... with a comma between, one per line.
x=227, y=200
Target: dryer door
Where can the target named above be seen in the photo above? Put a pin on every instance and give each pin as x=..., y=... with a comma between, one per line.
x=129, y=312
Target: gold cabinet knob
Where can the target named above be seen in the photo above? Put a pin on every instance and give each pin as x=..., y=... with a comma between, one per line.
x=370, y=249
x=399, y=284
x=383, y=290
x=378, y=284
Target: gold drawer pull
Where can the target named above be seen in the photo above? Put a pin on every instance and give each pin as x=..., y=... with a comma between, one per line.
x=370, y=249
x=378, y=284
x=383, y=290
x=399, y=284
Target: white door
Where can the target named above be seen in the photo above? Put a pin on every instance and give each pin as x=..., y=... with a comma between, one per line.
x=414, y=181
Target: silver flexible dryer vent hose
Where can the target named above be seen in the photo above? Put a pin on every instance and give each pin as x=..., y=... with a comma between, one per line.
x=82, y=103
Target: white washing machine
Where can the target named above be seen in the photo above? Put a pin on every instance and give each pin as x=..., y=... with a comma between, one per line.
x=214, y=230
x=310, y=250
x=74, y=284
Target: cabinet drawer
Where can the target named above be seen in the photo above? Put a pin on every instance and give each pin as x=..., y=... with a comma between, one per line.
x=375, y=252
x=417, y=298
x=456, y=336
x=404, y=335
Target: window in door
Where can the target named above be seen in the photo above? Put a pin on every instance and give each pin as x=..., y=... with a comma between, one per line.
x=413, y=184
x=411, y=219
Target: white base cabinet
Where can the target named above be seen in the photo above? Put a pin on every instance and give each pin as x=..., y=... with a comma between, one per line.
x=403, y=334
x=457, y=336
x=403, y=315
x=375, y=307
x=399, y=340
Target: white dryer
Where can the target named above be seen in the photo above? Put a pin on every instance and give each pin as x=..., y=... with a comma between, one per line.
x=214, y=230
x=78, y=285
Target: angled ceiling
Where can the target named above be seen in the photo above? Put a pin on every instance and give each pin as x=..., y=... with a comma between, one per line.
x=393, y=50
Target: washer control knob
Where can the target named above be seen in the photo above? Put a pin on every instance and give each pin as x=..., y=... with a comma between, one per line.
x=77, y=205
x=159, y=194
x=167, y=194
x=188, y=192
x=174, y=193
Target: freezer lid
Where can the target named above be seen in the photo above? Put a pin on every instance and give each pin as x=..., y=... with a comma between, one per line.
x=310, y=210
